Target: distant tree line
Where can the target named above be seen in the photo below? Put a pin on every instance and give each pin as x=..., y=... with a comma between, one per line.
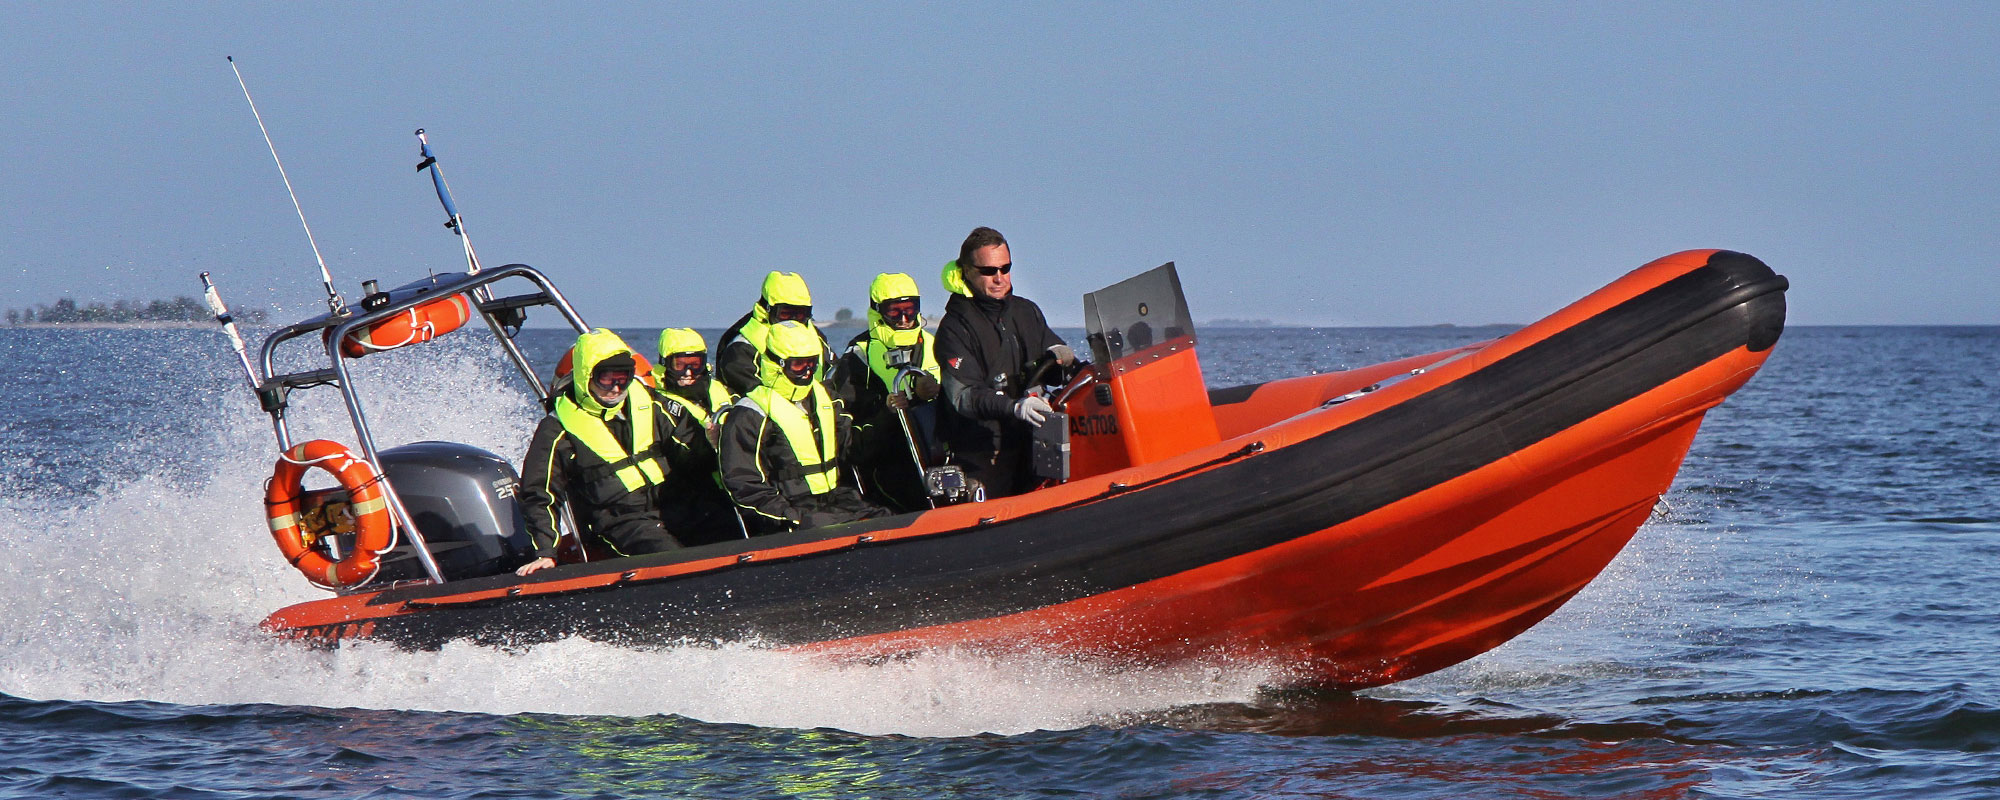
x=179, y=309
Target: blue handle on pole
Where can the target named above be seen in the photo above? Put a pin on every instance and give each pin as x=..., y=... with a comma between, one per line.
x=437, y=179
x=450, y=208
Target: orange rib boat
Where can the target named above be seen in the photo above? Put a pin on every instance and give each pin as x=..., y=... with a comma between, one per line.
x=1352, y=529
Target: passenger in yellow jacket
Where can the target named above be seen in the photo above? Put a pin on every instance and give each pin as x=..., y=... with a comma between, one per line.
x=889, y=379
x=697, y=511
x=784, y=298
x=606, y=449
x=683, y=375
x=783, y=442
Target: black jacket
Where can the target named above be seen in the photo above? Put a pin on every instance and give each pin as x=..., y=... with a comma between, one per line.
x=693, y=503
x=558, y=469
x=987, y=347
x=764, y=477
x=881, y=451
x=736, y=366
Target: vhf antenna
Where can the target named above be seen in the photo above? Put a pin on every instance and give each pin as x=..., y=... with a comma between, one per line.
x=333, y=301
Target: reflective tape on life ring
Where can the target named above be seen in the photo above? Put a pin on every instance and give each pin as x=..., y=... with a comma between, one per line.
x=357, y=509
x=374, y=532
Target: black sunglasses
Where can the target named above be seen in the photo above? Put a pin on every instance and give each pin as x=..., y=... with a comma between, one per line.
x=992, y=271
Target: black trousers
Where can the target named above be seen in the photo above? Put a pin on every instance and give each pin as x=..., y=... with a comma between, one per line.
x=639, y=537
x=1004, y=472
x=698, y=518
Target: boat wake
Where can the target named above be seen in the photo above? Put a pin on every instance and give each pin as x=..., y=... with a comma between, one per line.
x=152, y=587
x=149, y=584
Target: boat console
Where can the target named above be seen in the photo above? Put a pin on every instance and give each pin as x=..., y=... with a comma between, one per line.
x=1143, y=399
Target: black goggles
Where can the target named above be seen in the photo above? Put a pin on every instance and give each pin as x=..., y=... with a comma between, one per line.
x=781, y=312
x=612, y=378
x=800, y=369
x=687, y=363
x=899, y=309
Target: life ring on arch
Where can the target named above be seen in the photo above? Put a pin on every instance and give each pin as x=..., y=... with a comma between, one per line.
x=374, y=533
x=420, y=324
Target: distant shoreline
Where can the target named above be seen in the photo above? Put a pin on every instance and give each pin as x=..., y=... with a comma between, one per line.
x=113, y=325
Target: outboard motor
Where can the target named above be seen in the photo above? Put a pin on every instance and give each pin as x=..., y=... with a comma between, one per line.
x=462, y=501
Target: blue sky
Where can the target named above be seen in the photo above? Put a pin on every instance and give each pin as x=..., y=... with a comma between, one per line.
x=1344, y=164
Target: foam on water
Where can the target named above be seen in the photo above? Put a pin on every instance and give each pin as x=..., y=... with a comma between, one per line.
x=1810, y=614
x=152, y=588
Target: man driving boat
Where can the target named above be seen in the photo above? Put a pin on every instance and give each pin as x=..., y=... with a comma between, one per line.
x=990, y=342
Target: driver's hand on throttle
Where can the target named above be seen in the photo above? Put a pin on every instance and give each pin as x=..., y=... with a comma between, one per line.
x=1034, y=410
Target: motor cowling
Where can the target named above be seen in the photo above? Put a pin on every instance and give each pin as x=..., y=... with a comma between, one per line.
x=461, y=499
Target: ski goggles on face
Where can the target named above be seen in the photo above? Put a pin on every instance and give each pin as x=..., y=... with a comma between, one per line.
x=801, y=369
x=992, y=271
x=687, y=364
x=612, y=378
x=901, y=312
x=781, y=312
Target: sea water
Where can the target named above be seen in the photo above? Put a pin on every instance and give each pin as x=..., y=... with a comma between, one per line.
x=1810, y=613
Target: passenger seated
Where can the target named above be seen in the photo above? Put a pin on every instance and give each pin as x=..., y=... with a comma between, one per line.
x=740, y=350
x=782, y=443
x=605, y=449
x=683, y=376
x=692, y=501
x=890, y=377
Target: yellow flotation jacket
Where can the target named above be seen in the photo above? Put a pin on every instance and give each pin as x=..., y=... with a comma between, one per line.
x=633, y=465
x=778, y=398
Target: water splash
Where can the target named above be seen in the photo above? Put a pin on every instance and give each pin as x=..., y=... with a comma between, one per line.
x=151, y=588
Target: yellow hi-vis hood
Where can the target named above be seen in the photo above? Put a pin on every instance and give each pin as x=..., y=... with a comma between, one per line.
x=681, y=340
x=677, y=340
x=888, y=286
x=783, y=288
x=788, y=339
x=954, y=281
x=591, y=349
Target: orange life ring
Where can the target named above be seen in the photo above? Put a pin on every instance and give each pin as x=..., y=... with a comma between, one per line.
x=373, y=531
x=420, y=324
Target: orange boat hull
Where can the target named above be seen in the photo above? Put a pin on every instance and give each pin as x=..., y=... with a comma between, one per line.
x=1349, y=543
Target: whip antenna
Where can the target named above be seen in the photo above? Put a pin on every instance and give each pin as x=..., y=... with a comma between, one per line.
x=333, y=301
x=453, y=220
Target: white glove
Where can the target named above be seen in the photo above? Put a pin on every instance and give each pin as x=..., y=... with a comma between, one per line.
x=1033, y=410
x=1063, y=354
